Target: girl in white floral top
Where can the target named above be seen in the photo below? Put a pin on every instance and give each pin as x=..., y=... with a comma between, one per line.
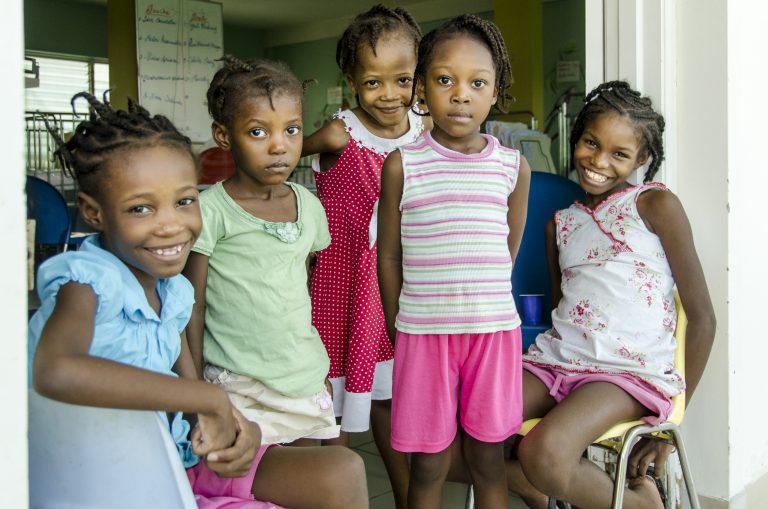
x=615, y=259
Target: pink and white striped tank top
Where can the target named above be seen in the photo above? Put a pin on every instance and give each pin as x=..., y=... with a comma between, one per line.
x=456, y=264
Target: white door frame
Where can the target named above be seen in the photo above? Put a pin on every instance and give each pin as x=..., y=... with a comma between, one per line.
x=634, y=40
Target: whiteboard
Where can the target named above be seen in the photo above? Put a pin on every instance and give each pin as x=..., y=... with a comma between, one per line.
x=178, y=43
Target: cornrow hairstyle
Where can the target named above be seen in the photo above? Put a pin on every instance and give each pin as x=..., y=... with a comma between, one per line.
x=241, y=79
x=368, y=27
x=107, y=134
x=487, y=33
x=618, y=97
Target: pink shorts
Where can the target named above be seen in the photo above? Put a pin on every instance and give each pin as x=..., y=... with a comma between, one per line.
x=214, y=492
x=560, y=385
x=438, y=377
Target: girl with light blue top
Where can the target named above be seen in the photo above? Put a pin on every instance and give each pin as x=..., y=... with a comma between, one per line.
x=110, y=329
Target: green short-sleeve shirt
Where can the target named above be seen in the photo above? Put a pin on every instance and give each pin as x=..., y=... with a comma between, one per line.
x=258, y=316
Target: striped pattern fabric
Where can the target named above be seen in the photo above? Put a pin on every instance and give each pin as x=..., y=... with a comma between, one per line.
x=456, y=264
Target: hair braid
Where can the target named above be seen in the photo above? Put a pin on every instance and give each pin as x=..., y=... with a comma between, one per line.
x=96, y=141
x=368, y=27
x=241, y=79
x=618, y=97
x=485, y=32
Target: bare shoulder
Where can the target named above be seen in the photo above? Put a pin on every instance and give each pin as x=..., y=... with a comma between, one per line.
x=329, y=139
x=659, y=206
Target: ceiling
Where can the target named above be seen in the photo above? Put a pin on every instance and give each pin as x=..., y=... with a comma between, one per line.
x=276, y=14
x=281, y=22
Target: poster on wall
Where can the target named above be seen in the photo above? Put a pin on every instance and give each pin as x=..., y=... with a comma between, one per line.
x=178, y=43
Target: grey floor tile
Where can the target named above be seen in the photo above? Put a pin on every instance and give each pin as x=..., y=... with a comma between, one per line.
x=376, y=474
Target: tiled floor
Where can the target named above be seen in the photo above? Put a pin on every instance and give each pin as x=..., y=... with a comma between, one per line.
x=380, y=490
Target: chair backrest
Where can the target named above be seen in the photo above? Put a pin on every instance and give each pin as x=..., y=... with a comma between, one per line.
x=548, y=193
x=49, y=209
x=89, y=457
x=680, y=329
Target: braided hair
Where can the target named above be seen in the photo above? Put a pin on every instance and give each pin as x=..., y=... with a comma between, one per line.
x=107, y=134
x=368, y=27
x=487, y=33
x=241, y=79
x=618, y=97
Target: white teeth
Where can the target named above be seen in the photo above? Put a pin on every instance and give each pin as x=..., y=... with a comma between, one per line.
x=595, y=176
x=168, y=251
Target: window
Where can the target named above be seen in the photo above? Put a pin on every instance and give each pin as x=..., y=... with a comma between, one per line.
x=61, y=78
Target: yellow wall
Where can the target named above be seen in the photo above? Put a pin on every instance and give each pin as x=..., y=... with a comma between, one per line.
x=520, y=22
x=121, y=49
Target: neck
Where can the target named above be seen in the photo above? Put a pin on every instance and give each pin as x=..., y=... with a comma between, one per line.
x=471, y=144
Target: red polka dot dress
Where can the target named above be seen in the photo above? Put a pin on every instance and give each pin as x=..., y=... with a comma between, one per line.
x=346, y=305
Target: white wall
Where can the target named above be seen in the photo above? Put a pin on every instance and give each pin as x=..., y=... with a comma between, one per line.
x=747, y=241
x=13, y=297
x=702, y=184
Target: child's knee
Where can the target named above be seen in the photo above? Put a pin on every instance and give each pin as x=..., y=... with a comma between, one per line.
x=544, y=465
x=345, y=479
x=430, y=468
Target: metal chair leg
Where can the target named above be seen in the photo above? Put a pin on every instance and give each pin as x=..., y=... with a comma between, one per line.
x=687, y=477
x=629, y=441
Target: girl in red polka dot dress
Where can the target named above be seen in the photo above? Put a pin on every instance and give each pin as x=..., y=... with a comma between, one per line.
x=377, y=54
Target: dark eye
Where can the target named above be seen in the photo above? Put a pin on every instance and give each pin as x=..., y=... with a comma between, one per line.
x=293, y=130
x=479, y=83
x=257, y=132
x=590, y=143
x=405, y=80
x=139, y=210
x=621, y=155
x=444, y=80
x=371, y=83
x=184, y=202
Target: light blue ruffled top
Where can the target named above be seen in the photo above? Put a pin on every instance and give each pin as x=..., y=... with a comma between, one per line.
x=127, y=329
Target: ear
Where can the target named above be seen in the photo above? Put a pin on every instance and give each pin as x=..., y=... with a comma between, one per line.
x=642, y=160
x=220, y=135
x=495, y=96
x=90, y=210
x=351, y=83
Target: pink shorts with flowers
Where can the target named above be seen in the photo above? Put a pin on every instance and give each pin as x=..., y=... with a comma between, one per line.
x=214, y=492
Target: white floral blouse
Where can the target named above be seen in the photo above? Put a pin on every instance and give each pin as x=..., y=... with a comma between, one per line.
x=617, y=314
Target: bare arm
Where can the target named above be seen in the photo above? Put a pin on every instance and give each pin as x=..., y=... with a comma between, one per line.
x=329, y=139
x=390, y=268
x=64, y=370
x=517, y=205
x=664, y=215
x=196, y=271
x=553, y=262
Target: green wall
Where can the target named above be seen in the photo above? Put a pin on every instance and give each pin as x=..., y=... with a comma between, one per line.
x=76, y=28
x=65, y=27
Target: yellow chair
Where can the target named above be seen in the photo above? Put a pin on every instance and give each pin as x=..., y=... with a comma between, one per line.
x=629, y=432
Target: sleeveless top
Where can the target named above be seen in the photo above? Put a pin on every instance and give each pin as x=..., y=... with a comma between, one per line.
x=456, y=264
x=617, y=314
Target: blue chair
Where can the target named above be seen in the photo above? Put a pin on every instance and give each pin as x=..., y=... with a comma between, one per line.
x=548, y=194
x=53, y=223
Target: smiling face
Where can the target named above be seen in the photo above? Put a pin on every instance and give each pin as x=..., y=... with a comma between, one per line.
x=459, y=91
x=383, y=83
x=265, y=141
x=606, y=154
x=147, y=211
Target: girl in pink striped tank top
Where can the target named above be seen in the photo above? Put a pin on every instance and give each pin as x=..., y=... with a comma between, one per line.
x=451, y=216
